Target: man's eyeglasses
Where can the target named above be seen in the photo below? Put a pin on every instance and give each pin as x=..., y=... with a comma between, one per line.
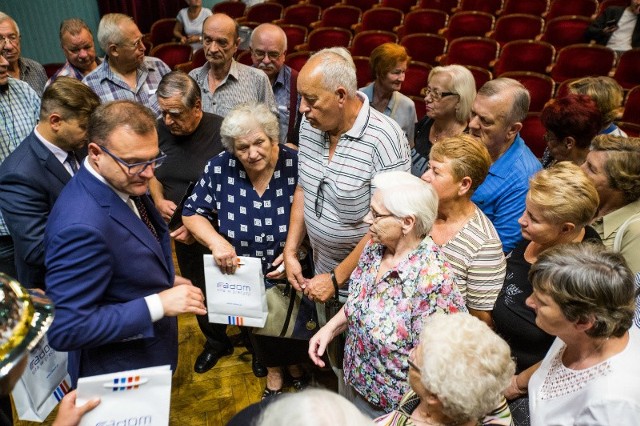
x=134, y=169
x=319, y=199
x=138, y=44
x=435, y=94
x=11, y=38
x=260, y=54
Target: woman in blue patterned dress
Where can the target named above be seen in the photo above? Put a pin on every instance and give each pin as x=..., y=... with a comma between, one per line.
x=249, y=187
x=401, y=279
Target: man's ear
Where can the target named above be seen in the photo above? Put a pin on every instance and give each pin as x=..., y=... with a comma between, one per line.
x=513, y=130
x=55, y=121
x=341, y=92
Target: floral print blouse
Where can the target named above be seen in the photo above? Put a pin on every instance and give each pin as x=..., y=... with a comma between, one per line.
x=384, y=318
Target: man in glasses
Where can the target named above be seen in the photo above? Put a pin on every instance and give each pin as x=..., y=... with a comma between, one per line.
x=268, y=50
x=108, y=255
x=20, y=68
x=19, y=109
x=497, y=113
x=32, y=177
x=224, y=82
x=76, y=41
x=125, y=73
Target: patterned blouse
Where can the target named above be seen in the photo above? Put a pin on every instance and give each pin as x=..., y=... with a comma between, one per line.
x=255, y=226
x=384, y=318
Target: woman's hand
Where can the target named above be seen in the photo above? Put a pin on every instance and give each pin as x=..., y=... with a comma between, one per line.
x=224, y=255
x=183, y=235
x=279, y=272
x=318, y=344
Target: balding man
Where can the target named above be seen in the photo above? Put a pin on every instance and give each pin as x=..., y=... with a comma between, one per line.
x=126, y=72
x=224, y=82
x=76, y=41
x=20, y=68
x=268, y=49
x=498, y=111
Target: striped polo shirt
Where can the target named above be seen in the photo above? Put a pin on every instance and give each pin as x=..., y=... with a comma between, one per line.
x=337, y=193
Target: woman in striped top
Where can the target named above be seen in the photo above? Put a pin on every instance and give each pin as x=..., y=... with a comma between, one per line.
x=470, y=243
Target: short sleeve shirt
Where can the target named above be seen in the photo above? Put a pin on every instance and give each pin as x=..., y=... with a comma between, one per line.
x=110, y=87
x=255, y=226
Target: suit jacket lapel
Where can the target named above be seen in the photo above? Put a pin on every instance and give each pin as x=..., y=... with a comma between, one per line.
x=48, y=160
x=121, y=213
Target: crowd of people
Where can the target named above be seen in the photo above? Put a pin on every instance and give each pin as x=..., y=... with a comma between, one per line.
x=457, y=278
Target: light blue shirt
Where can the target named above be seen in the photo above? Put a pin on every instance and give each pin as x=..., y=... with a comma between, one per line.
x=401, y=109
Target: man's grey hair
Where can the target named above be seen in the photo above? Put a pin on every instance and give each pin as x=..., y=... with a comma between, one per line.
x=179, y=83
x=337, y=69
x=5, y=17
x=509, y=87
x=73, y=26
x=109, y=31
x=269, y=27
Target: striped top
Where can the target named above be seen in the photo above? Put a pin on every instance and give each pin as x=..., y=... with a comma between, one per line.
x=476, y=258
x=19, y=112
x=337, y=193
x=243, y=84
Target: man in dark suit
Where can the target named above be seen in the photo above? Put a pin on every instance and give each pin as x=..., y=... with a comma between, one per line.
x=617, y=27
x=33, y=175
x=108, y=255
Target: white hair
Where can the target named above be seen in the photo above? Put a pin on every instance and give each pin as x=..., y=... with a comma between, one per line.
x=337, y=68
x=245, y=118
x=312, y=407
x=404, y=194
x=482, y=366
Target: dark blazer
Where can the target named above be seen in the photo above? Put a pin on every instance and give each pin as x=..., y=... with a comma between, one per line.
x=595, y=31
x=101, y=262
x=31, y=178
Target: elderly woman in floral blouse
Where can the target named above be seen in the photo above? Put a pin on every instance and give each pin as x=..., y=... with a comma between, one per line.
x=401, y=279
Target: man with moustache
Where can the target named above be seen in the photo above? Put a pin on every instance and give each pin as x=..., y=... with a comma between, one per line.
x=268, y=49
x=497, y=113
x=32, y=176
x=109, y=269
x=189, y=137
x=20, y=68
x=224, y=82
x=125, y=73
x=76, y=41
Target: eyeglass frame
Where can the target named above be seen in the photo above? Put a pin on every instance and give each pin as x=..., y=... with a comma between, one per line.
x=435, y=95
x=8, y=39
x=155, y=163
x=135, y=45
x=375, y=215
x=260, y=54
x=411, y=363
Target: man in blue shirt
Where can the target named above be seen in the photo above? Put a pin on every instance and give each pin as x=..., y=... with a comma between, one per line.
x=496, y=118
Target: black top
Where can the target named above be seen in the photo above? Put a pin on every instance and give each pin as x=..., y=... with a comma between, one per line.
x=187, y=155
x=513, y=320
x=422, y=147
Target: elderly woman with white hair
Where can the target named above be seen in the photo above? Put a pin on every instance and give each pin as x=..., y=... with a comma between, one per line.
x=259, y=175
x=465, y=395
x=401, y=278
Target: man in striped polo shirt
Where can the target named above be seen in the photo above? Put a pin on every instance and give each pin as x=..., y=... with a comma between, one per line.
x=344, y=143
